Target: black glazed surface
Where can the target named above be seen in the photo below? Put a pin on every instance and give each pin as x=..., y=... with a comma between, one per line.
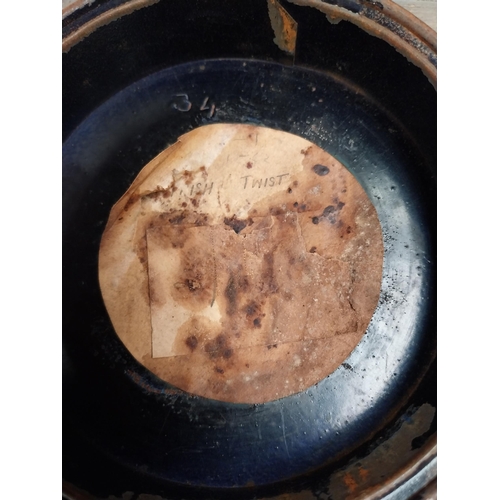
x=121, y=419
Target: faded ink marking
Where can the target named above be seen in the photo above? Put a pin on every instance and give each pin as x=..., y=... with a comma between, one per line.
x=252, y=182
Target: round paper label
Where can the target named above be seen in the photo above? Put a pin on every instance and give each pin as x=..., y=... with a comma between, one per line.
x=243, y=264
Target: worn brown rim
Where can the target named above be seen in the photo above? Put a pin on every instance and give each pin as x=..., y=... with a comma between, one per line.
x=427, y=458
x=390, y=22
x=381, y=18
x=77, y=35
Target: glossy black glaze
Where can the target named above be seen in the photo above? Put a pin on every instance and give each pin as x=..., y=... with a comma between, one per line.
x=191, y=440
x=124, y=429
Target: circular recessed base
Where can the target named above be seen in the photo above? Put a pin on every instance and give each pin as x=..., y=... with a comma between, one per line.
x=147, y=424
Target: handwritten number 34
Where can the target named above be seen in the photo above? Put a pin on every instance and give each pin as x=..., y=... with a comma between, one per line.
x=183, y=104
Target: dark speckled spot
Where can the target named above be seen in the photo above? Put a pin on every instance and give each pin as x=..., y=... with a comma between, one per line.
x=237, y=224
x=251, y=309
x=321, y=169
x=231, y=292
x=218, y=347
x=177, y=219
x=192, y=342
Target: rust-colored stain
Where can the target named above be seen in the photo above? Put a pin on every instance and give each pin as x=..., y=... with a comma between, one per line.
x=284, y=27
x=363, y=474
x=350, y=482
